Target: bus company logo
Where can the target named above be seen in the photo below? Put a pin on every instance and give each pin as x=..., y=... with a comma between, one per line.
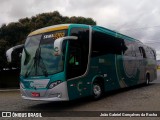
x=130, y=68
x=32, y=84
x=6, y=114
x=78, y=86
x=54, y=36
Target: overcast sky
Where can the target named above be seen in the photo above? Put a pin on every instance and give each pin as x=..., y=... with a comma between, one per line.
x=137, y=18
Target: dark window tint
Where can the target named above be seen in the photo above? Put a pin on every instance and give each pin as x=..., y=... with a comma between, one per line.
x=131, y=48
x=143, y=52
x=106, y=44
x=154, y=54
x=138, y=51
x=78, y=53
x=150, y=53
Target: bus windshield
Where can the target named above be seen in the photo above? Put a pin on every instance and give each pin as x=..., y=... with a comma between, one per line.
x=38, y=57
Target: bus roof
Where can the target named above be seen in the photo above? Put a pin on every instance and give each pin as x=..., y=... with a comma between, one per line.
x=53, y=28
x=66, y=26
x=49, y=29
x=115, y=34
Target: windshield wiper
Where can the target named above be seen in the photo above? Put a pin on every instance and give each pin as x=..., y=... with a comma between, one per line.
x=38, y=62
x=27, y=58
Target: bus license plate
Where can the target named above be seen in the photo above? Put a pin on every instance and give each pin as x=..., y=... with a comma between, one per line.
x=35, y=94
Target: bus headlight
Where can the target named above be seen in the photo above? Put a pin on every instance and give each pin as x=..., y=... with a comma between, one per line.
x=54, y=84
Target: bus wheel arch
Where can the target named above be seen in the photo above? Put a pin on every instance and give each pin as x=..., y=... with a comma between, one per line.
x=97, y=87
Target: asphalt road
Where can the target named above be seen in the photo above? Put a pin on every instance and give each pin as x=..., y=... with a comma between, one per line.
x=139, y=98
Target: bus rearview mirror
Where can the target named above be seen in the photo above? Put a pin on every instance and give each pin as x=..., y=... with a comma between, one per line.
x=58, y=44
x=11, y=50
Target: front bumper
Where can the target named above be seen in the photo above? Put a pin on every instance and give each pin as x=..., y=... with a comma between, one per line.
x=58, y=93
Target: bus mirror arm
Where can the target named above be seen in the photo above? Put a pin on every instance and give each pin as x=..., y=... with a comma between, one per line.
x=11, y=50
x=58, y=44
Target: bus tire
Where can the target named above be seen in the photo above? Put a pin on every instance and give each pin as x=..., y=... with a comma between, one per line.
x=147, y=79
x=97, y=90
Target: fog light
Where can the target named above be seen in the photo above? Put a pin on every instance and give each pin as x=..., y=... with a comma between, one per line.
x=59, y=95
x=55, y=95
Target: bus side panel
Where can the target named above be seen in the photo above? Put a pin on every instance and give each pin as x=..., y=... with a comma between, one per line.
x=151, y=68
x=128, y=70
x=101, y=66
x=106, y=68
x=117, y=71
x=79, y=87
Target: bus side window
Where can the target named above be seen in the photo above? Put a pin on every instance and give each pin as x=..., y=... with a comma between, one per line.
x=74, y=62
x=142, y=52
x=103, y=43
x=78, y=52
x=138, y=51
x=74, y=58
x=154, y=54
x=130, y=51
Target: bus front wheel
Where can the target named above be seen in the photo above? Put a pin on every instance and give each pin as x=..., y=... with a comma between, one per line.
x=97, y=90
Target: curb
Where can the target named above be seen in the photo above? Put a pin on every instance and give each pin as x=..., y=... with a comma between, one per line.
x=8, y=90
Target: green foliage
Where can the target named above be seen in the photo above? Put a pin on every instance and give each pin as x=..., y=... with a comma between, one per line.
x=3, y=45
x=16, y=32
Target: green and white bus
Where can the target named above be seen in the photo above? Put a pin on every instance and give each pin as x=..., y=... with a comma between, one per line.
x=69, y=61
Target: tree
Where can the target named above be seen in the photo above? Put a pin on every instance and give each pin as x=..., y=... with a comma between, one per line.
x=3, y=46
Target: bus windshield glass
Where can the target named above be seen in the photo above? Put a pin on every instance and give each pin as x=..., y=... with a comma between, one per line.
x=38, y=57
